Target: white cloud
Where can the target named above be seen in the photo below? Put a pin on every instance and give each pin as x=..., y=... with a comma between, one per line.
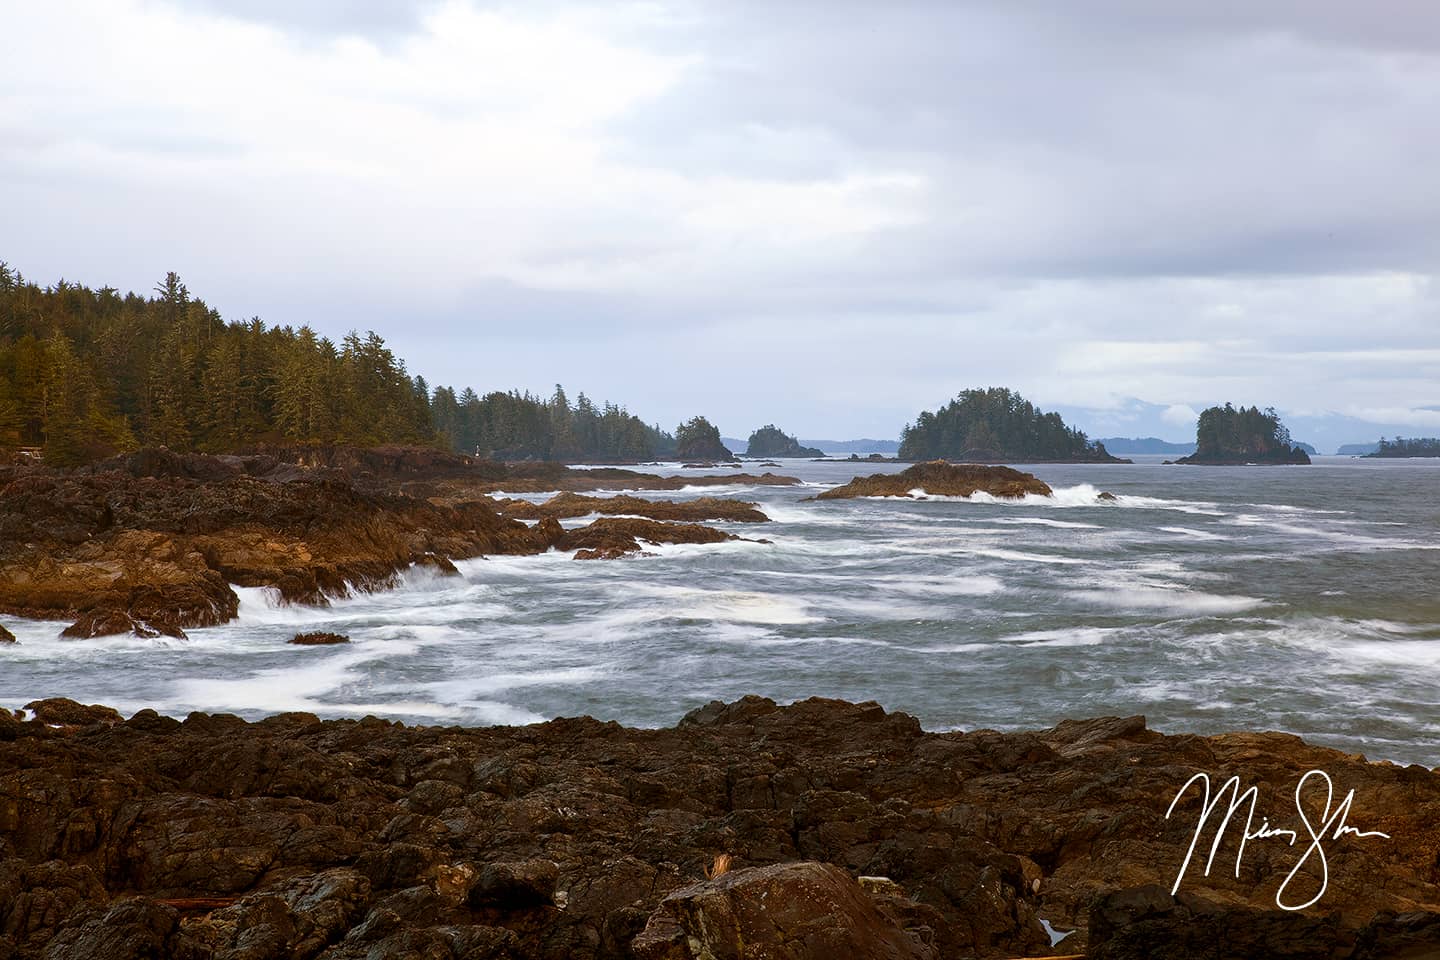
x=1211, y=204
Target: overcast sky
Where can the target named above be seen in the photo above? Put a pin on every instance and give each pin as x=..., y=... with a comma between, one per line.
x=825, y=213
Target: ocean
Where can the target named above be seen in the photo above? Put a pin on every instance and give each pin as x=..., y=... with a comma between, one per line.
x=1299, y=599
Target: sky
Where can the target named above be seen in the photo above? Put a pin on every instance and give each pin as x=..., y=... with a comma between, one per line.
x=825, y=214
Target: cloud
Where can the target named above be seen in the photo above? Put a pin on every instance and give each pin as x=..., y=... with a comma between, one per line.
x=1180, y=414
x=860, y=208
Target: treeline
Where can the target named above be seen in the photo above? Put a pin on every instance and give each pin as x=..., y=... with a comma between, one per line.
x=995, y=424
x=1246, y=434
x=520, y=426
x=1408, y=447
x=87, y=373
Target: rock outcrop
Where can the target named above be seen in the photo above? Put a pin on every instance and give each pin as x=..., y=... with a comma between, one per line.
x=318, y=638
x=940, y=478
x=567, y=505
x=151, y=543
x=341, y=840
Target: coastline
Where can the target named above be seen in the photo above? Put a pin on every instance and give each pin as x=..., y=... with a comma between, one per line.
x=352, y=838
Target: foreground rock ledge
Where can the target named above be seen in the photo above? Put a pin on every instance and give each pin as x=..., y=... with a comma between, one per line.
x=293, y=837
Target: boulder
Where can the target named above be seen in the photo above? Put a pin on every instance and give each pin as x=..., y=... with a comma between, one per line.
x=787, y=911
x=62, y=711
x=5, y=635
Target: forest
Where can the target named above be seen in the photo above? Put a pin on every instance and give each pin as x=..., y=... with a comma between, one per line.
x=1408, y=447
x=995, y=424
x=86, y=373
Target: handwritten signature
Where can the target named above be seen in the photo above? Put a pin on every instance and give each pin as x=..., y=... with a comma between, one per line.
x=1331, y=826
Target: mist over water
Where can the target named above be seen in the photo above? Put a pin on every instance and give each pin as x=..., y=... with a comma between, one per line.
x=1300, y=599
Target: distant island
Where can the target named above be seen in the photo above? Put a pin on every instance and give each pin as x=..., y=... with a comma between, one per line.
x=997, y=425
x=1357, y=449
x=1143, y=445
x=1227, y=436
x=771, y=441
x=866, y=445
x=1402, y=447
x=699, y=439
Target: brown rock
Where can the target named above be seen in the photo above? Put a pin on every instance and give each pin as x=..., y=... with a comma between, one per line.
x=516, y=885
x=939, y=478
x=789, y=911
x=62, y=711
x=6, y=636
x=564, y=505
x=615, y=536
x=318, y=638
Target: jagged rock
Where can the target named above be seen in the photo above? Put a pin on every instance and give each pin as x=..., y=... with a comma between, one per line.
x=515, y=886
x=349, y=839
x=318, y=638
x=939, y=478
x=616, y=536
x=150, y=543
x=6, y=636
x=789, y=911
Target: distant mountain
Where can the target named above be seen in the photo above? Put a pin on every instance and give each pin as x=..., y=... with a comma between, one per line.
x=1123, y=445
x=887, y=447
x=1357, y=449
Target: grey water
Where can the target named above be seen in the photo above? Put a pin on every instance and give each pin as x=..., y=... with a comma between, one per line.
x=1300, y=599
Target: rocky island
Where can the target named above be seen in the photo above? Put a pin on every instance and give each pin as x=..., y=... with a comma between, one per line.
x=1230, y=436
x=942, y=479
x=818, y=830
x=771, y=441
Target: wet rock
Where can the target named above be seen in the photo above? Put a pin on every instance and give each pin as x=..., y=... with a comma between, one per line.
x=616, y=536
x=515, y=886
x=790, y=911
x=1107, y=497
x=318, y=638
x=346, y=839
x=62, y=711
x=131, y=929
x=5, y=635
x=564, y=505
x=939, y=478
x=438, y=564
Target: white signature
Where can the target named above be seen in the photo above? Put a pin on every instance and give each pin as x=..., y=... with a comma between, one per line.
x=1330, y=826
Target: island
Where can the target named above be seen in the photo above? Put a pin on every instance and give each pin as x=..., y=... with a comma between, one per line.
x=1234, y=436
x=1401, y=447
x=770, y=441
x=997, y=425
x=699, y=439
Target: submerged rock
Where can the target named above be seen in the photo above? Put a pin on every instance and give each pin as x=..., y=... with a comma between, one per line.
x=6, y=636
x=940, y=478
x=318, y=638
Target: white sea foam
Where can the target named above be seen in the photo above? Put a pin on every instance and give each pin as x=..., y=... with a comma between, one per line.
x=1156, y=598
x=1195, y=534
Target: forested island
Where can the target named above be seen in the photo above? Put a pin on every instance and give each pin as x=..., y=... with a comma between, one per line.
x=994, y=425
x=699, y=439
x=1411, y=447
x=86, y=374
x=771, y=441
x=1231, y=436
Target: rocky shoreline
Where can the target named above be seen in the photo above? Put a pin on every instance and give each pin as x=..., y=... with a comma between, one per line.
x=152, y=542
x=294, y=837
